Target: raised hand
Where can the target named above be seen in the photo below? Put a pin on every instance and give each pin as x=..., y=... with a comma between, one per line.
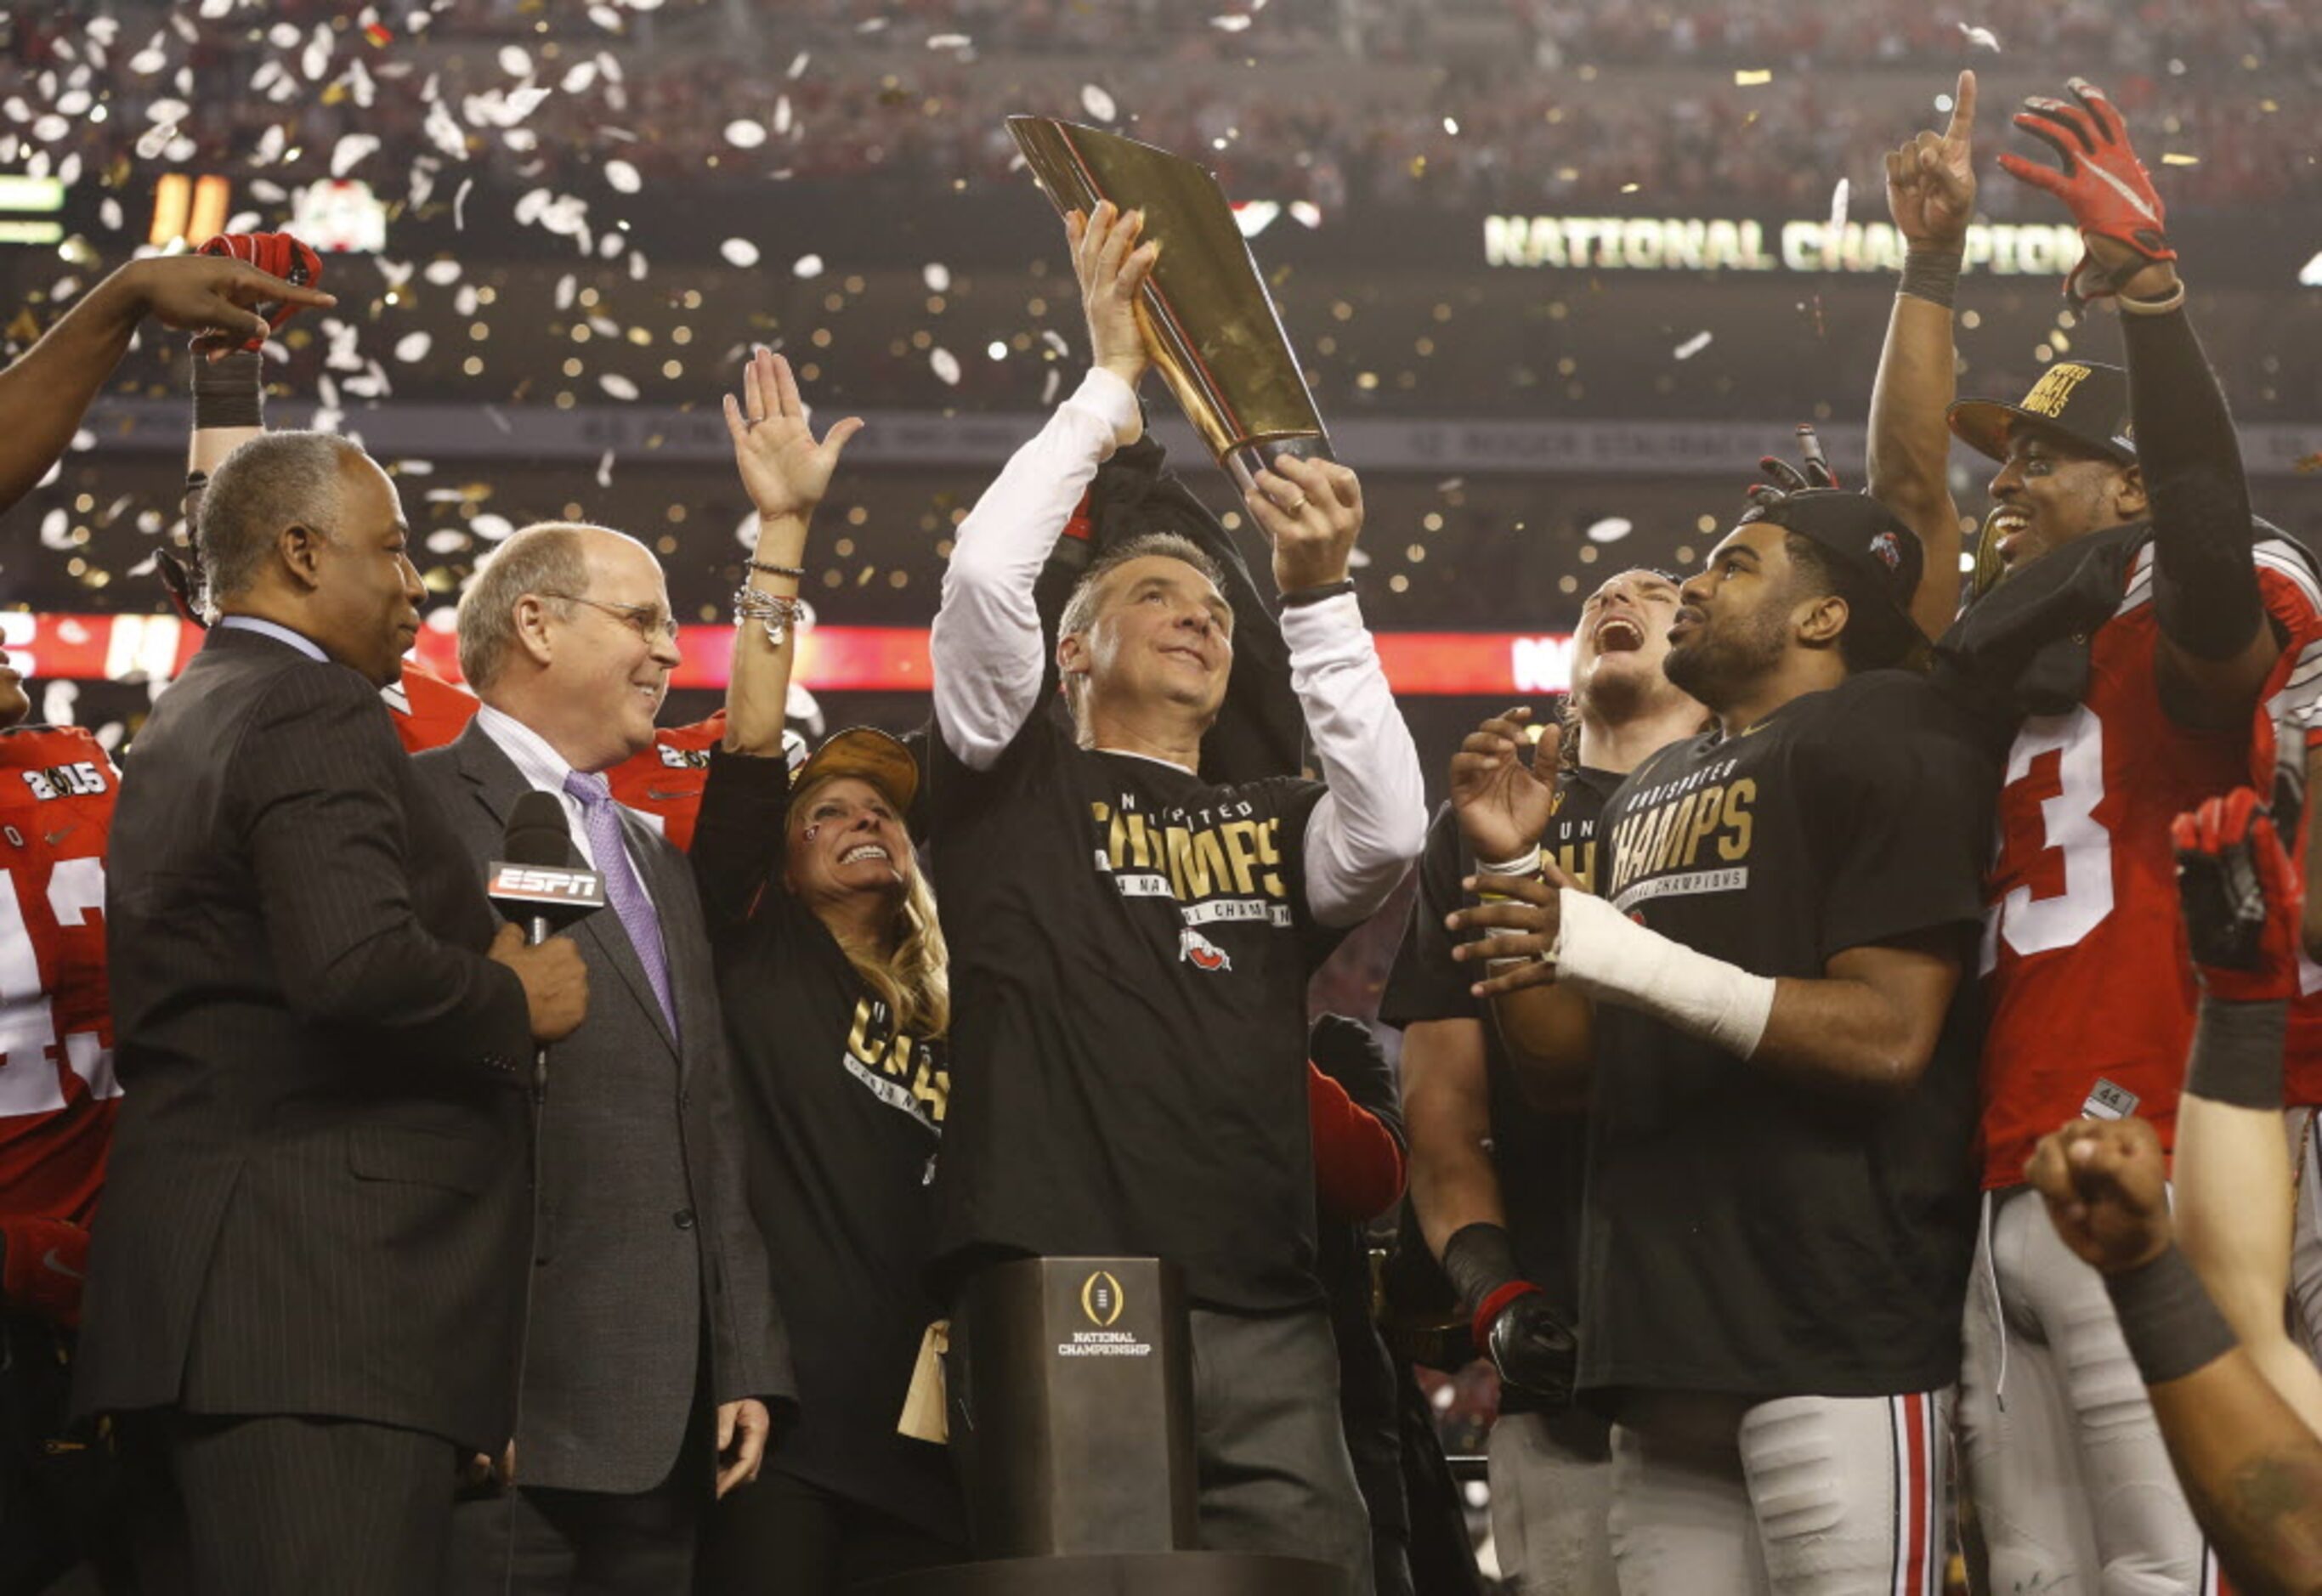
x=277, y=254
x=2107, y=1187
x=1112, y=266
x=1311, y=512
x=1931, y=180
x=2105, y=187
x=784, y=470
x=1504, y=799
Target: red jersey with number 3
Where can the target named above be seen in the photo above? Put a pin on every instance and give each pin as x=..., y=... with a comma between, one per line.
x=2089, y=989
x=57, y=1092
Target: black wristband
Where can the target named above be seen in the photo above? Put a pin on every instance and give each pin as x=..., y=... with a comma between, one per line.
x=2170, y=1324
x=1478, y=1259
x=1298, y=598
x=2237, y=1050
x=229, y=391
x=1931, y=275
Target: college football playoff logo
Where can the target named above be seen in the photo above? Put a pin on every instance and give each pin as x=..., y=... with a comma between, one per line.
x=1100, y=1299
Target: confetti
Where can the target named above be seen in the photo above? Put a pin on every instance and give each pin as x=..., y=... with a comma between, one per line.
x=945, y=366
x=491, y=527
x=513, y=61
x=442, y=273
x=781, y=116
x=937, y=275
x=1692, y=346
x=1979, y=38
x=1838, y=206
x=797, y=66
x=739, y=252
x=1098, y=103
x=949, y=41
x=1612, y=529
x=605, y=470
x=1234, y=23
x=460, y=206
x=412, y=348
x=745, y=133
x=618, y=385
x=2170, y=157
x=1749, y=78
x=622, y=177
x=351, y=151
x=806, y=266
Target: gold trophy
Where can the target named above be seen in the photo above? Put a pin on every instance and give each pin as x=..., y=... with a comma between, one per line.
x=1207, y=317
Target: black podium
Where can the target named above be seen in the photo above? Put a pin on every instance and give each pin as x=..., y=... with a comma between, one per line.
x=1069, y=1389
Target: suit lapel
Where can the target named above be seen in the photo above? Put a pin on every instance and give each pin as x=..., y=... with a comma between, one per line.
x=497, y=784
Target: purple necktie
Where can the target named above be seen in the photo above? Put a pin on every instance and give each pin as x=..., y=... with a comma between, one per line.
x=602, y=817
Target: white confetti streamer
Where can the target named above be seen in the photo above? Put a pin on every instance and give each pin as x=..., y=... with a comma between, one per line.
x=744, y=134
x=618, y=385
x=1234, y=23
x=1979, y=38
x=622, y=177
x=937, y=275
x=1692, y=346
x=1612, y=529
x=739, y=252
x=946, y=364
x=350, y=152
x=806, y=266
x=412, y=348
x=1098, y=103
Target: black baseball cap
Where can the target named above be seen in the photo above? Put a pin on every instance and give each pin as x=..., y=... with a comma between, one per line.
x=1877, y=559
x=2081, y=400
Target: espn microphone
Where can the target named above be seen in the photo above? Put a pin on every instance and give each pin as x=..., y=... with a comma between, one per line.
x=538, y=885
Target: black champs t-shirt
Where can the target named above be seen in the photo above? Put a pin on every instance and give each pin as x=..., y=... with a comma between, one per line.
x=1131, y=948
x=1745, y=1232
x=842, y=1114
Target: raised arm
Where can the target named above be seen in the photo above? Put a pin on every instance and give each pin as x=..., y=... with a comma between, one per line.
x=786, y=472
x=44, y=394
x=2251, y=1466
x=1931, y=194
x=2217, y=640
x=1363, y=837
x=986, y=643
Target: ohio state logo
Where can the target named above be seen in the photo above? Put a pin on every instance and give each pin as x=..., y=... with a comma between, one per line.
x=1888, y=549
x=1200, y=952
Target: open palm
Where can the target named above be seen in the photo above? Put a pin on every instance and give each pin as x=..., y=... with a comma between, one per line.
x=785, y=471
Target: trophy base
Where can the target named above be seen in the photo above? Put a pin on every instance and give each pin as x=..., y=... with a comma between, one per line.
x=1243, y=461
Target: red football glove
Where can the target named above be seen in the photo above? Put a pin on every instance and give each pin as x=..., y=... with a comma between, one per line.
x=2241, y=899
x=43, y=1263
x=2106, y=188
x=278, y=254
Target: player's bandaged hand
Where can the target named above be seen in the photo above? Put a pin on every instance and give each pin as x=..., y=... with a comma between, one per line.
x=2241, y=898
x=2102, y=182
x=278, y=254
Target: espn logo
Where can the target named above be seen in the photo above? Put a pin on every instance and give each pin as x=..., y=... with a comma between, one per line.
x=543, y=884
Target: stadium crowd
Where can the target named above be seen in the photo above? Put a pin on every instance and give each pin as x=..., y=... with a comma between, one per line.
x=468, y=1136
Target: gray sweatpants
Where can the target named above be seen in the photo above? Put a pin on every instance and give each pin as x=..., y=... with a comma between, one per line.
x=1275, y=1472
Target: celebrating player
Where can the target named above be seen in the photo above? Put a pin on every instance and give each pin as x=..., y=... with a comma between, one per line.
x=1766, y=1013
x=1496, y=1183
x=2122, y=652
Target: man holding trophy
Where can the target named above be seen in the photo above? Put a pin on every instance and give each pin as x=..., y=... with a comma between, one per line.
x=1131, y=944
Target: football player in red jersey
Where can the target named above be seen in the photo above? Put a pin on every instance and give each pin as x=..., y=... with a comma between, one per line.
x=57, y=1104
x=2121, y=653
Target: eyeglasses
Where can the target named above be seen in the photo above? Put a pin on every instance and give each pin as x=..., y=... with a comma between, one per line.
x=648, y=621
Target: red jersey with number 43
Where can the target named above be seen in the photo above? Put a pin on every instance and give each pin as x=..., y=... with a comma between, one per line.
x=2088, y=987
x=57, y=1092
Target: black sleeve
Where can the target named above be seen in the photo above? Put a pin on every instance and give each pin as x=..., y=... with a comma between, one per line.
x=318, y=774
x=738, y=836
x=1898, y=800
x=2204, y=591
x=1427, y=982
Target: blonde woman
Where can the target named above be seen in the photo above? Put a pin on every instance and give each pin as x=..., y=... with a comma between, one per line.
x=833, y=976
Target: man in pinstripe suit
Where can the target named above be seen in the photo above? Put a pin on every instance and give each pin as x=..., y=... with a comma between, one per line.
x=311, y=1257
x=655, y=1345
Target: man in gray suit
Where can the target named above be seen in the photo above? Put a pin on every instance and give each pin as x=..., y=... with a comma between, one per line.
x=306, y=1278
x=647, y=1257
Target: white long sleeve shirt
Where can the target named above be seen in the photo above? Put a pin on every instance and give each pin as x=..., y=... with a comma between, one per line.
x=988, y=663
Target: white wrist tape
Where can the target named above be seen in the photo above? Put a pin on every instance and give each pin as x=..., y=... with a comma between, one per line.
x=1606, y=954
x=1522, y=864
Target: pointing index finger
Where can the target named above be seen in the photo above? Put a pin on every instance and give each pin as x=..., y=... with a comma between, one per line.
x=1962, y=123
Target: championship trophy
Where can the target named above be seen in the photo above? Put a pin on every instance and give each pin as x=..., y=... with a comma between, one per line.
x=1208, y=319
